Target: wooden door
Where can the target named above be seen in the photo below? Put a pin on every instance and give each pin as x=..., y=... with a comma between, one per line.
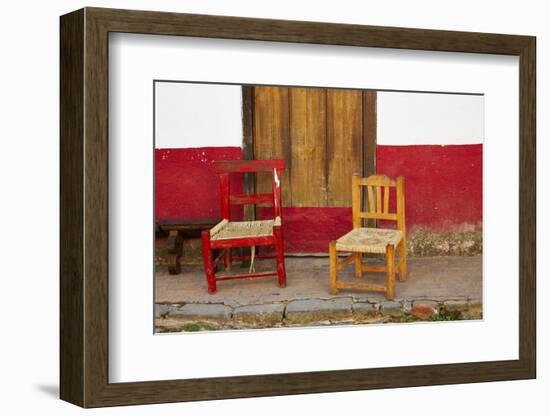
x=322, y=135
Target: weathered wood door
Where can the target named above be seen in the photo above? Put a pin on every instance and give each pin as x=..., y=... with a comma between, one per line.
x=325, y=135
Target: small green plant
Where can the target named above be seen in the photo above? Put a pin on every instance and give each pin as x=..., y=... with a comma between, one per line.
x=443, y=316
x=407, y=317
x=191, y=327
x=200, y=326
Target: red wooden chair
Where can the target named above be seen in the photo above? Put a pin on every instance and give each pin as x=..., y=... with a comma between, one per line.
x=228, y=234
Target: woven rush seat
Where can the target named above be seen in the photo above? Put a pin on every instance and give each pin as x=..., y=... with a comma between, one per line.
x=227, y=230
x=369, y=240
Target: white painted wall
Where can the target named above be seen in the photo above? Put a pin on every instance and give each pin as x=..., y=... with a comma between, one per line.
x=197, y=115
x=208, y=115
x=406, y=118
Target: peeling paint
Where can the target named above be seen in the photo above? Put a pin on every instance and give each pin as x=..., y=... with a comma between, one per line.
x=423, y=242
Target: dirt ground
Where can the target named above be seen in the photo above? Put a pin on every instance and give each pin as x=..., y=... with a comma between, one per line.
x=436, y=278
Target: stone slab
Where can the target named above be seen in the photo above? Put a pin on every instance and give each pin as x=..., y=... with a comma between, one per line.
x=424, y=309
x=269, y=314
x=365, y=311
x=204, y=311
x=317, y=310
x=391, y=308
x=161, y=309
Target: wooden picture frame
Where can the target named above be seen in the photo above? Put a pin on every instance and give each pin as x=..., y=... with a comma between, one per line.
x=84, y=207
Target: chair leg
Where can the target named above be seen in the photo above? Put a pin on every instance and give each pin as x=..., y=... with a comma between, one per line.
x=227, y=259
x=280, y=255
x=390, y=284
x=358, y=265
x=333, y=264
x=403, y=260
x=209, y=269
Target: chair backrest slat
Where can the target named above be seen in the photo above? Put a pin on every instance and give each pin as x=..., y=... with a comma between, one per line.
x=244, y=199
x=378, y=191
x=378, y=180
x=386, y=200
x=375, y=216
x=378, y=199
x=371, y=199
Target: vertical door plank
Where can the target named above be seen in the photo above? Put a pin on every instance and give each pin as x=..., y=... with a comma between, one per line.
x=308, y=147
x=272, y=135
x=344, y=143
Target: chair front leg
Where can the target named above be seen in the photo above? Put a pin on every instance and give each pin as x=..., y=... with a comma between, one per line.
x=390, y=259
x=280, y=255
x=209, y=268
x=333, y=264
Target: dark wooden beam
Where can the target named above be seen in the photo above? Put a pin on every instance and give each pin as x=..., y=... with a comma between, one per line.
x=369, y=132
x=248, y=145
x=369, y=141
x=248, y=154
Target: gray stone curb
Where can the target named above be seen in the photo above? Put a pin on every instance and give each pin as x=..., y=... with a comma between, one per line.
x=314, y=311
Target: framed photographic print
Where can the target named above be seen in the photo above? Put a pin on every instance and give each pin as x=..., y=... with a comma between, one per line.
x=255, y=207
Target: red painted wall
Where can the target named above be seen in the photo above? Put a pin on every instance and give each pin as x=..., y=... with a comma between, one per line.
x=186, y=187
x=309, y=230
x=443, y=184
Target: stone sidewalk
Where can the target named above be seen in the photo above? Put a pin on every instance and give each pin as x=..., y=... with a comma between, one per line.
x=437, y=288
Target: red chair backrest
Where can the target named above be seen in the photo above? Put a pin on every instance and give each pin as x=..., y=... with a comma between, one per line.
x=224, y=168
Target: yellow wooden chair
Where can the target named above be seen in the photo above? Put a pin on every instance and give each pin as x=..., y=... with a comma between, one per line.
x=373, y=240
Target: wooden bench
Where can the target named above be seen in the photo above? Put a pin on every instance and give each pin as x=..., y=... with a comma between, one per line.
x=177, y=232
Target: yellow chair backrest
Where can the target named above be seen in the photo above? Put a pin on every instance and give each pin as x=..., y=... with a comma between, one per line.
x=378, y=201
